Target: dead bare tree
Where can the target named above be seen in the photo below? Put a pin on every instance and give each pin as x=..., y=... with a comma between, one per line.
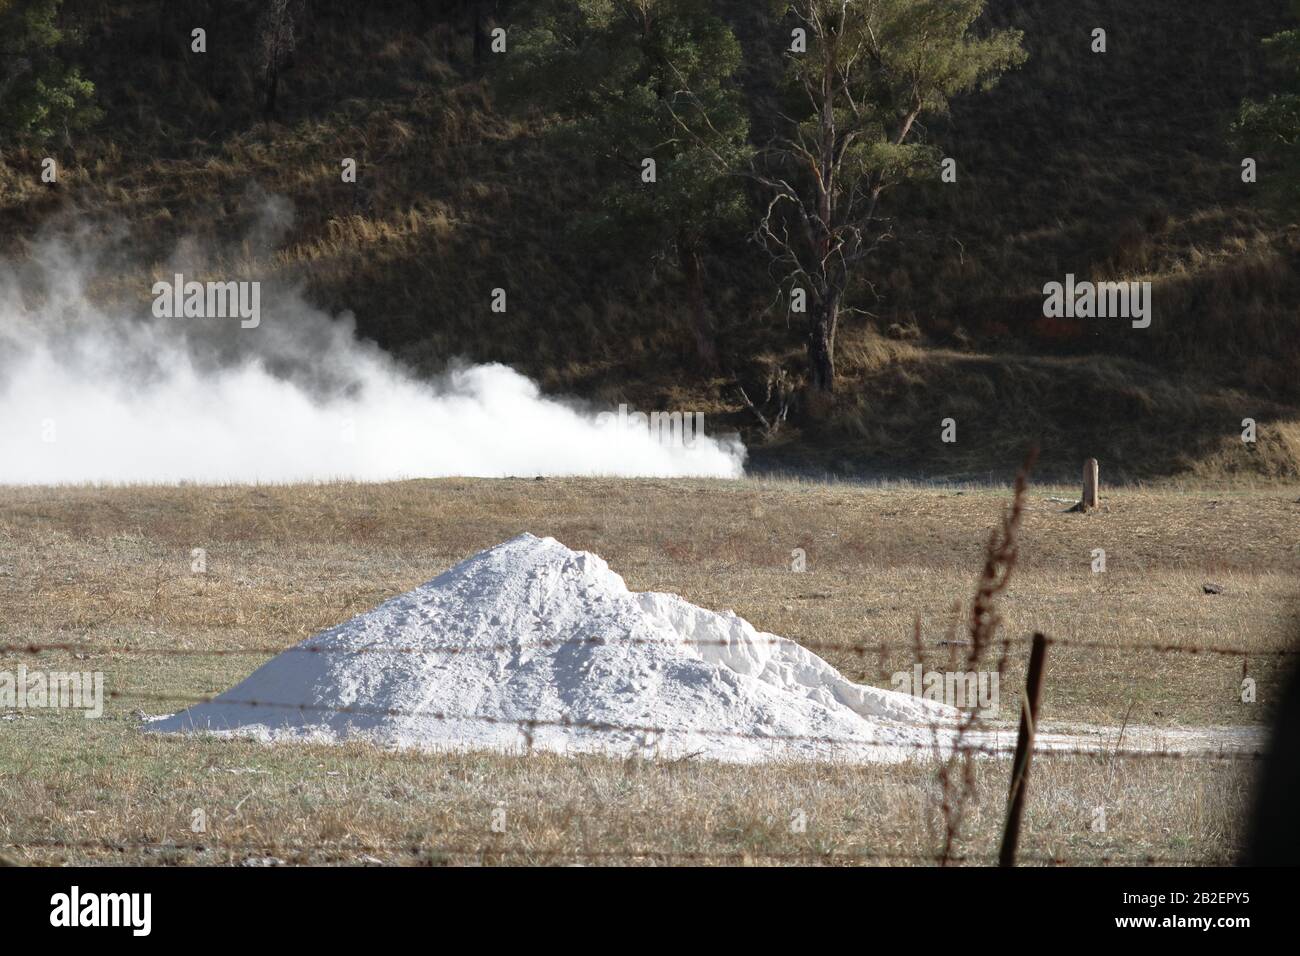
x=771, y=412
x=276, y=40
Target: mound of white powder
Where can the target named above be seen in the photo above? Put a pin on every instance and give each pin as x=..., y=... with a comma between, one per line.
x=531, y=644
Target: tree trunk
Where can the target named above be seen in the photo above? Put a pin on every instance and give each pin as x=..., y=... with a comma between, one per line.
x=272, y=87
x=693, y=269
x=821, y=342
x=480, y=35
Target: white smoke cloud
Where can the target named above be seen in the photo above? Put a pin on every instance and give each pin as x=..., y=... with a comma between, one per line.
x=98, y=393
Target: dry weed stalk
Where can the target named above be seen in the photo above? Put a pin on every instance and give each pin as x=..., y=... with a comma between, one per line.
x=1000, y=556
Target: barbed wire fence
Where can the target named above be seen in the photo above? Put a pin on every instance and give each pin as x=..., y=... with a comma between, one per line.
x=954, y=745
x=950, y=745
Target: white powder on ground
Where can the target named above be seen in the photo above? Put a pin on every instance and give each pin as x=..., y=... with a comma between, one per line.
x=531, y=644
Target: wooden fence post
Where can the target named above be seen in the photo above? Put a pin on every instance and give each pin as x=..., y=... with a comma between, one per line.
x=1024, y=751
x=1090, y=484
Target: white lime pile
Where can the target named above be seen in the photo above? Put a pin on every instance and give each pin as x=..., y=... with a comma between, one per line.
x=531, y=644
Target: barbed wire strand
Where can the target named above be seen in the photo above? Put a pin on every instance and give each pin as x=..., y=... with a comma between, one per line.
x=416, y=848
x=527, y=726
x=74, y=647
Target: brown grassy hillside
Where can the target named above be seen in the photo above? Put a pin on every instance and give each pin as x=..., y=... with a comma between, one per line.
x=1111, y=167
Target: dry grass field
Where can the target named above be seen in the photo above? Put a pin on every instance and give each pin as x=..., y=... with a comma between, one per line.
x=110, y=569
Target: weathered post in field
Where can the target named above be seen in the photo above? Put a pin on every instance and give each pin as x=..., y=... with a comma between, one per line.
x=1090, y=484
x=1024, y=751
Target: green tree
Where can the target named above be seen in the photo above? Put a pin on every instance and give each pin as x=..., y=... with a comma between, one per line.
x=862, y=75
x=638, y=80
x=39, y=93
x=1272, y=125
